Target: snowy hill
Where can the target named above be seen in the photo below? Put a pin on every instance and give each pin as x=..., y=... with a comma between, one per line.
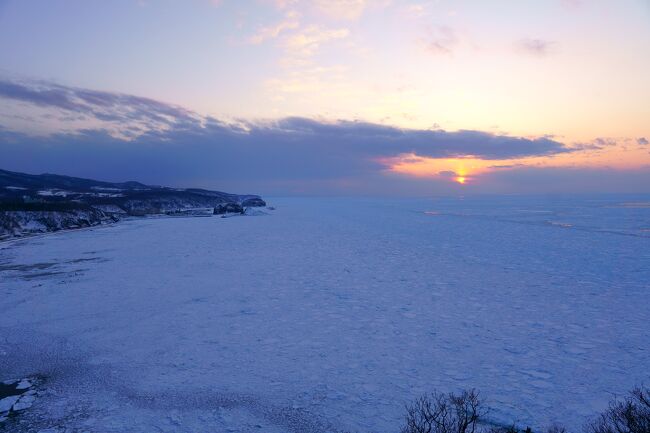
x=48, y=202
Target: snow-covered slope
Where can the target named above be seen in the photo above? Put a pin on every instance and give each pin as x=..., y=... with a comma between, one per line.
x=330, y=315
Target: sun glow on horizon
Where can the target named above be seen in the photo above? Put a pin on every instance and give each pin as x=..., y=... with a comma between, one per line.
x=458, y=170
x=464, y=171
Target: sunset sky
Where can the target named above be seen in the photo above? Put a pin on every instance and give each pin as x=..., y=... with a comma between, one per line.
x=401, y=97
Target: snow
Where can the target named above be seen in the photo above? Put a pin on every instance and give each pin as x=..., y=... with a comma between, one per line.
x=110, y=208
x=24, y=384
x=104, y=194
x=331, y=314
x=25, y=402
x=255, y=211
x=7, y=402
x=54, y=193
x=103, y=188
x=62, y=193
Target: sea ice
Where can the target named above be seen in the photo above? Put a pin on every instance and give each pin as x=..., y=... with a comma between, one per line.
x=24, y=402
x=331, y=314
x=7, y=403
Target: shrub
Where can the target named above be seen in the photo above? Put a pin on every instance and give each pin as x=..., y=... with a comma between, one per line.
x=556, y=428
x=628, y=415
x=462, y=413
x=445, y=413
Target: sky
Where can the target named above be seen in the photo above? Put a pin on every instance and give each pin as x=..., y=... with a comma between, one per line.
x=331, y=97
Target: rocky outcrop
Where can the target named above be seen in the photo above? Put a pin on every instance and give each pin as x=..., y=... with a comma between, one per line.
x=253, y=202
x=225, y=208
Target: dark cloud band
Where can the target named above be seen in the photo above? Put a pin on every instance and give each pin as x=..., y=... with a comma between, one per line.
x=166, y=122
x=169, y=144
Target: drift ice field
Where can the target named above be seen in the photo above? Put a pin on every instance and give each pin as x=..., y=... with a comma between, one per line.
x=330, y=314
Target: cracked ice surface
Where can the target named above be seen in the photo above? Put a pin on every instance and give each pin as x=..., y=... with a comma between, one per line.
x=330, y=314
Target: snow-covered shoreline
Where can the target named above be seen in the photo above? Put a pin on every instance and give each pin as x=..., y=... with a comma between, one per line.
x=38, y=230
x=21, y=224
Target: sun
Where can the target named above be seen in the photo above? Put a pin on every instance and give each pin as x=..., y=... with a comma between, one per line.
x=461, y=179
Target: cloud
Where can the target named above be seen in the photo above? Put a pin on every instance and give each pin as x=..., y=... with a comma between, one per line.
x=642, y=141
x=605, y=142
x=376, y=140
x=271, y=32
x=341, y=9
x=447, y=174
x=416, y=10
x=536, y=47
x=346, y=10
x=442, y=40
x=121, y=109
x=309, y=40
x=282, y=4
x=564, y=180
x=596, y=144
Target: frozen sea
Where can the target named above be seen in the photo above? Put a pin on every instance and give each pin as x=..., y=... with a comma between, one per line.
x=331, y=314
